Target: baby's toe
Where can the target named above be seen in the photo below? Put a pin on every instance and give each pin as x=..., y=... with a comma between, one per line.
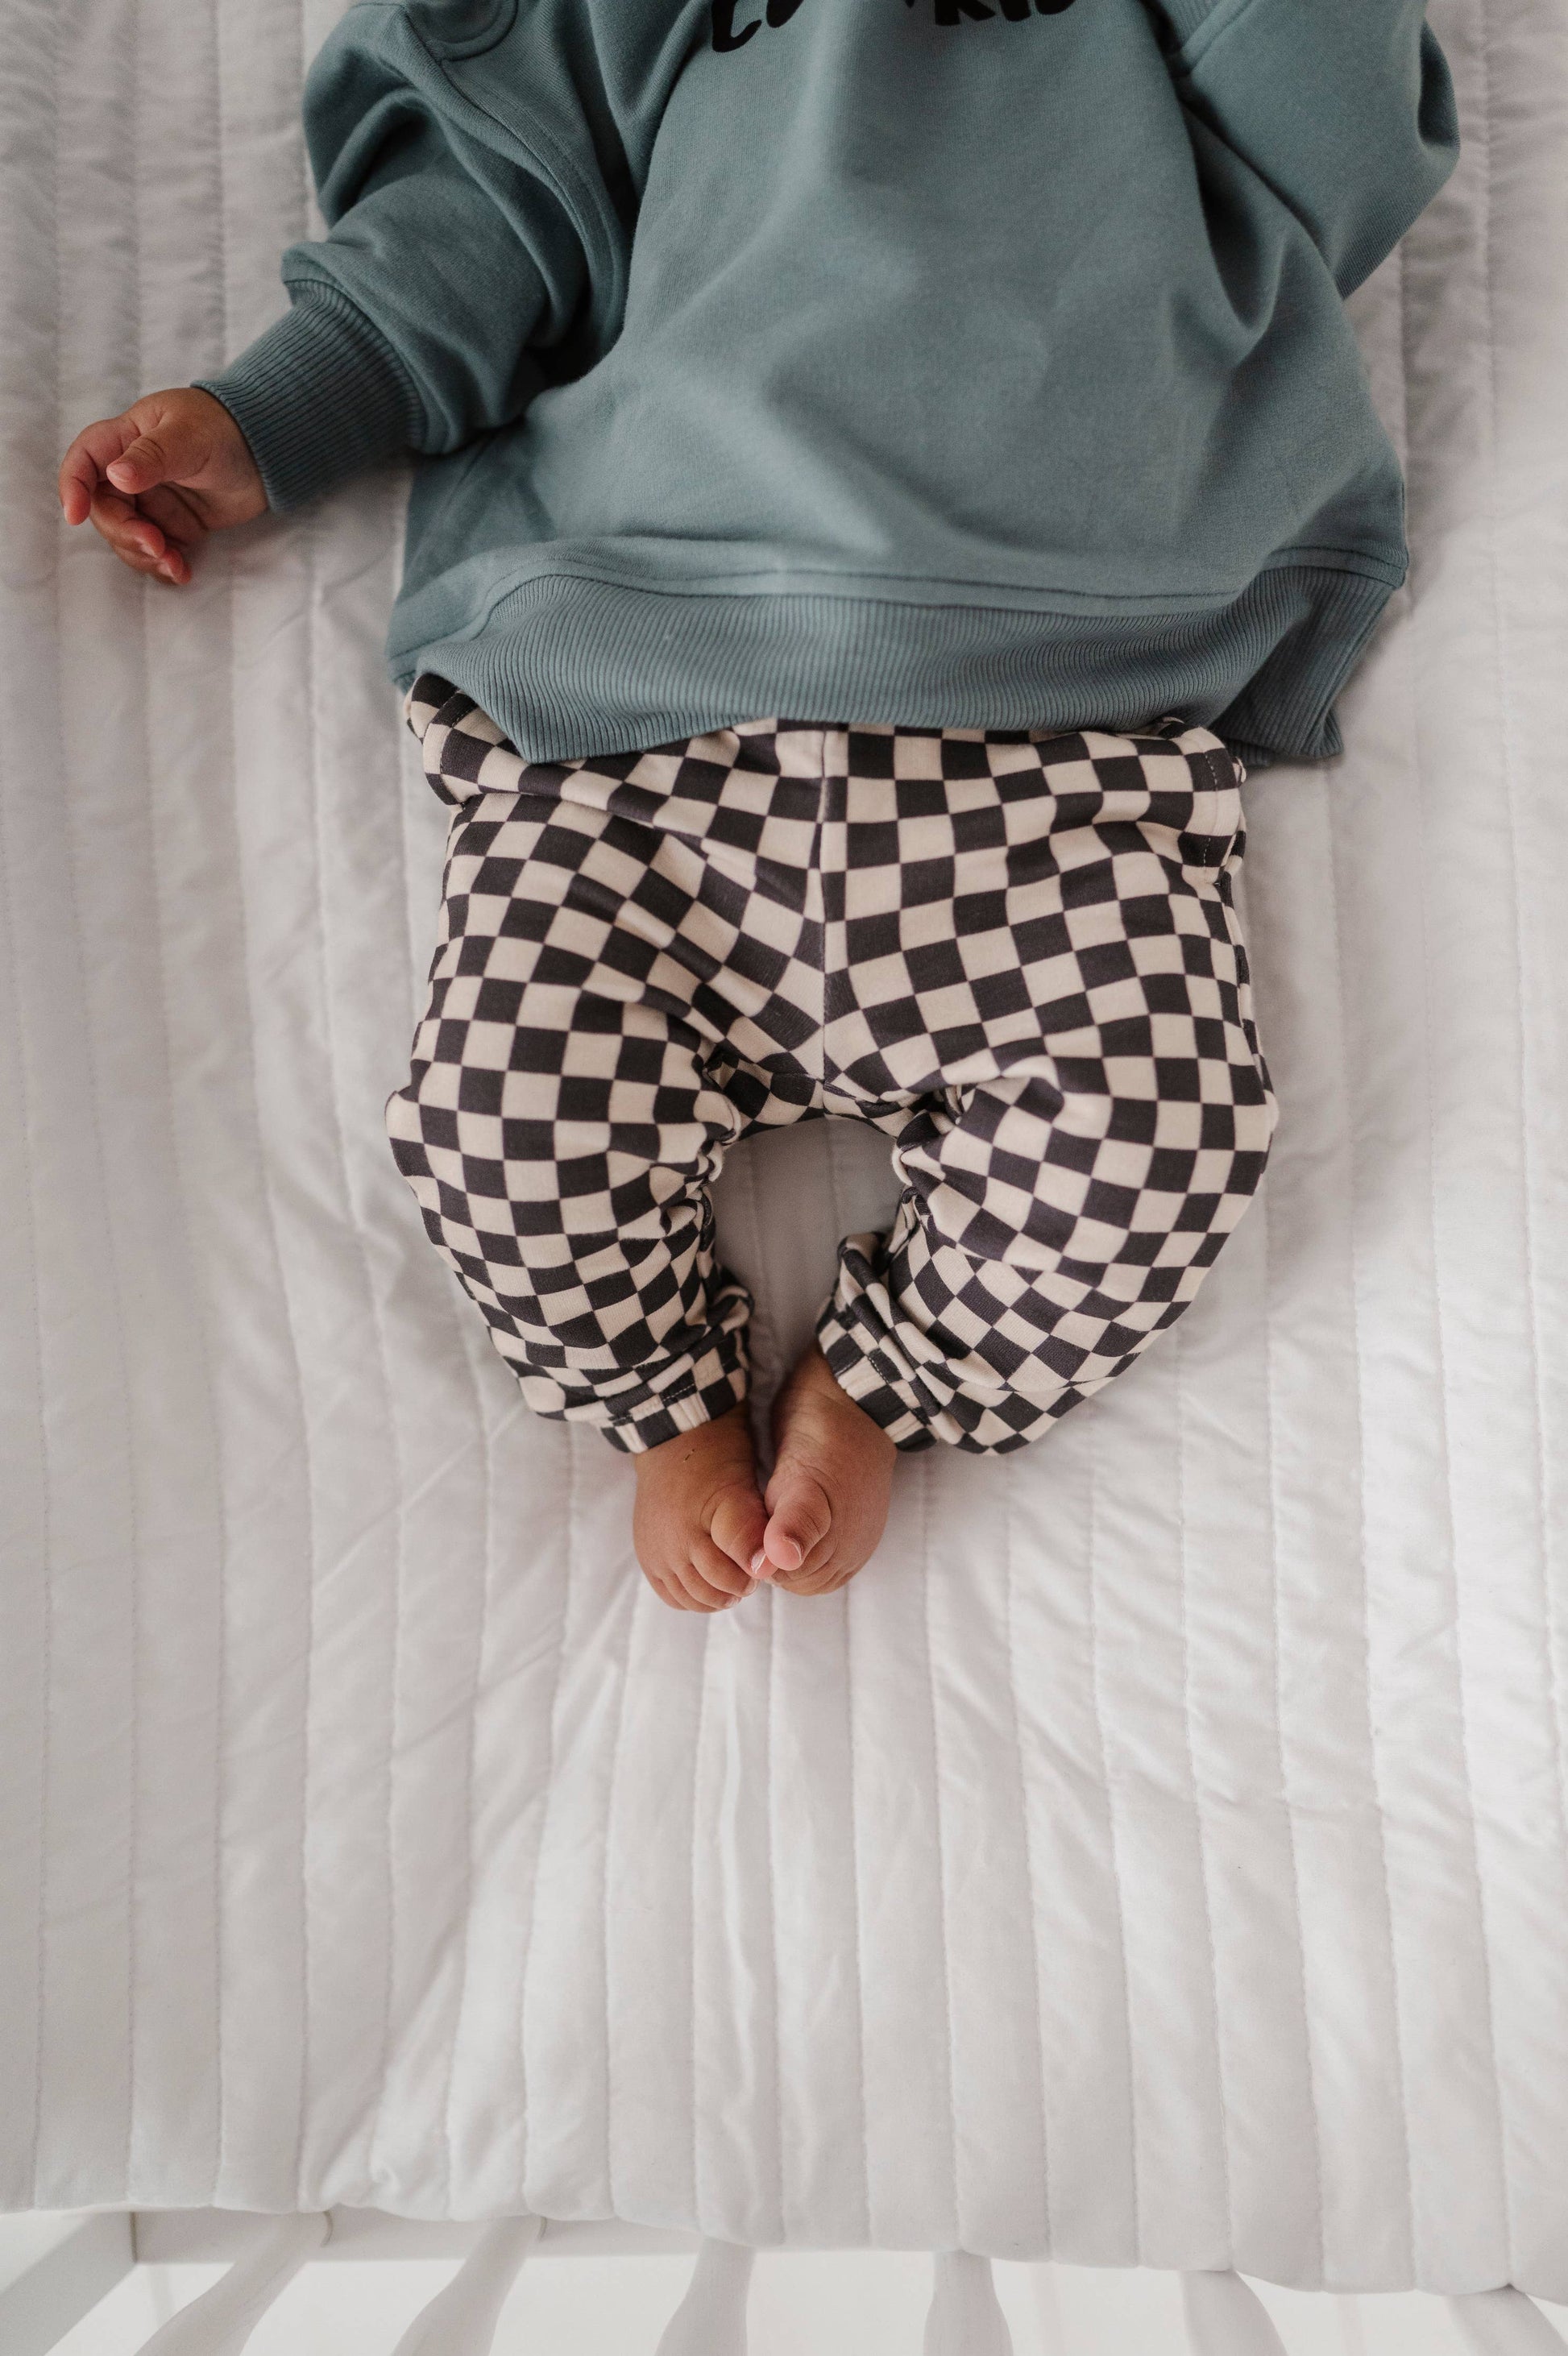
x=700, y=1575
x=800, y=1518
x=739, y=1520
x=718, y=1571
x=668, y=1589
x=823, y=1575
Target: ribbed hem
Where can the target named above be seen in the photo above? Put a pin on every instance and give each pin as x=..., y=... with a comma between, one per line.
x=318, y=396
x=570, y=667
x=672, y=1412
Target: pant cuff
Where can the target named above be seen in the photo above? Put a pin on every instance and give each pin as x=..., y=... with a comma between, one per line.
x=669, y=1416
x=915, y=1413
x=869, y=1377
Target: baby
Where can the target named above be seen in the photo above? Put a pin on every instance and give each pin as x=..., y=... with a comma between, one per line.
x=884, y=468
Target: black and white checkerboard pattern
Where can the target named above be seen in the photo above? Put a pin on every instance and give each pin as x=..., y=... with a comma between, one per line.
x=1017, y=955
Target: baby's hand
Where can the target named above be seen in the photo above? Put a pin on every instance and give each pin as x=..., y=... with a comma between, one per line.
x=158, y=479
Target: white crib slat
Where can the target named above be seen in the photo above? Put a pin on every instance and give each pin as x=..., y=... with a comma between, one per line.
x=222, y=2319
x=711, y=2318
x=1226, y=2317
x=53, y=2271
x=965, y=2316
x=1504, y=2323
x=461, y=2319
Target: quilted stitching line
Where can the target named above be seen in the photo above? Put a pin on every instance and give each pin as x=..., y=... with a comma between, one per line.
x=568, y=1568
x=406, y=757
x=304, y=2053
x=305, y=1955
x=854, y=1909
x=46, y=1664
x=641, y=1595
x=1489, y=182
x=1271, y=1463
x=694, y=2146
x=46, y=1746
x=1454, y=1589
x=467, y=1338
x=1091, y=1548
x=846, y=1595
x=940, y=1847
x=133, y=1730
x=695, y=1755
x=307, y=540
x=221, y=1665
x=1177, y=1357
x=779, y=2155
x=46, y=1498
x=465, y=1932
x=1009, y=1568
x=1354, y=1304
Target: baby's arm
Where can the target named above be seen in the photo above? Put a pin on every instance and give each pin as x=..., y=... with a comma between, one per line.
x=451, y=263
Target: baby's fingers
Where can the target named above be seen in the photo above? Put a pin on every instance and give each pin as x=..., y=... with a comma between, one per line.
x=183, y=530
x=146, y=460
x=82, y=467
x=136, y=540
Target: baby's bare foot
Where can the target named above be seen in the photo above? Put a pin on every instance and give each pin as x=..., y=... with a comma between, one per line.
x=698, y=1519
x=832, y=1475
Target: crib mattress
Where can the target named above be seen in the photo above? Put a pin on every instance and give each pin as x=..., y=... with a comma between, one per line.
x=1158, y=1855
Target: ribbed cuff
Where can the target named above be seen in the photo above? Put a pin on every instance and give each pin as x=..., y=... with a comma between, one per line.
x=318, y=396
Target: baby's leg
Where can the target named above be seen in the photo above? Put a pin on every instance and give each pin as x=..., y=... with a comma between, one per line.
x=1066, y=1193
x=560, y=1129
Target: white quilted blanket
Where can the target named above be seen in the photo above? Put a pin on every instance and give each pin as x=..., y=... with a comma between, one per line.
x=1159, y=1854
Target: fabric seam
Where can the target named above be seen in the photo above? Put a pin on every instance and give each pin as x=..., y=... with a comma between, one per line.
x=1223, y=19
x=554, y=164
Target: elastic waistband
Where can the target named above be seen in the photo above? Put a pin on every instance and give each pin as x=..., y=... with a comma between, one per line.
x=473, y=749
x=804, y=796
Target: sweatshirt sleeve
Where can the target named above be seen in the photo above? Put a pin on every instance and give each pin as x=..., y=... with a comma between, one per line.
x=1345, y=108
x=451, y=262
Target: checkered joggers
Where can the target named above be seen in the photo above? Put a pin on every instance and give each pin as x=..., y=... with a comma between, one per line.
x=1016, y=954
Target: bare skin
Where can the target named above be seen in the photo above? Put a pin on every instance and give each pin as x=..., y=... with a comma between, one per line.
x=698, y=1519
x=833, y=1477
x=706, y=1533
x=157, y=478
x=153, y=482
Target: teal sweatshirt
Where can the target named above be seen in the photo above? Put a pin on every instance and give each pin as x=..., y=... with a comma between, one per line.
x=979, y=363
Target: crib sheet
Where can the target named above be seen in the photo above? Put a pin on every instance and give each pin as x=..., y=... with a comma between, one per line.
x=1158, y=1855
